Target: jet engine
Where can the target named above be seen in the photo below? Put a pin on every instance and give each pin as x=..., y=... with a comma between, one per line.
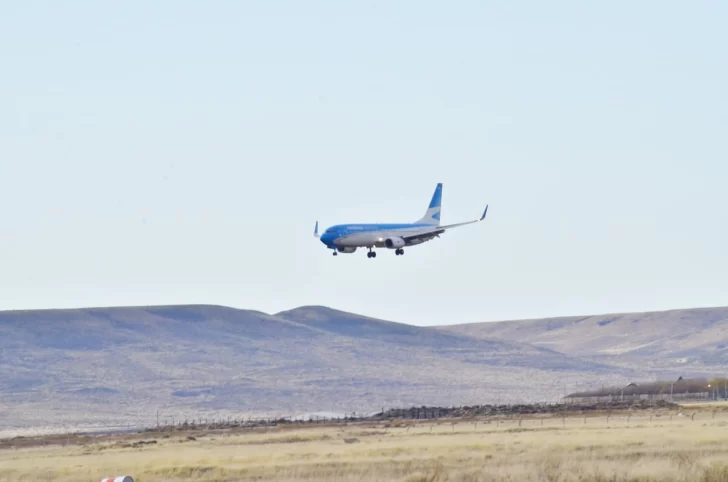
x=346, y=249
x=394, y=243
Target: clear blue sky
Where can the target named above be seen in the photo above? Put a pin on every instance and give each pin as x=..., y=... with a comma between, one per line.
x=180, y=152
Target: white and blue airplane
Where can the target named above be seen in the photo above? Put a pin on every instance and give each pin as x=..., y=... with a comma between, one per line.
x=346, y=238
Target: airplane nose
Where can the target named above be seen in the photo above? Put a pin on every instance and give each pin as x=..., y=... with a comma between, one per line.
x=327, y=239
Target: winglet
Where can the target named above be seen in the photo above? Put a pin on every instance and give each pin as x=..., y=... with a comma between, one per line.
x=315, y=230
x=484, y=213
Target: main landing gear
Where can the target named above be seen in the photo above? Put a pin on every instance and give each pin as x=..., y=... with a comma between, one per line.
x=371, y=253
x=399, y=252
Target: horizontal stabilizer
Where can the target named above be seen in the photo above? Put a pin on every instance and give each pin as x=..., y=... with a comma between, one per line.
x=437, y=230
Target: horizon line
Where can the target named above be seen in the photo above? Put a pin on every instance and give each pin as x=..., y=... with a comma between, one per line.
x=213, y=305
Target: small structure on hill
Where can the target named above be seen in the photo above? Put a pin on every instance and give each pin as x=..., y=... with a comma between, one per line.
x=681, y=389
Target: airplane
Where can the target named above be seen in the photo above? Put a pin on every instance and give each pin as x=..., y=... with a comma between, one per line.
x=346, y=238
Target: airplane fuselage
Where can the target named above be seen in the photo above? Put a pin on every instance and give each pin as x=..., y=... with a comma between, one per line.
x=347, y=238
x=371, y=235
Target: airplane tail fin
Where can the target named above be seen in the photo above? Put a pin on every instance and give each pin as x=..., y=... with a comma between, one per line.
x=432, y=215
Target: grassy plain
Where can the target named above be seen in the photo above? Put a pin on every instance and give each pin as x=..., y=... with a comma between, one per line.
x=639, y=447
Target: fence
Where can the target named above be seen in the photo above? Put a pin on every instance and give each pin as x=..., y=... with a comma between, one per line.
x=419, y=413
x=637, y=397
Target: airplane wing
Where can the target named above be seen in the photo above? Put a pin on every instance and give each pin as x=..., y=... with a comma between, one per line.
x=437, y=230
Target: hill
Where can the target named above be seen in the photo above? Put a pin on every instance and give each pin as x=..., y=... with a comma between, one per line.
x=478, y=350
x=690, y=340
x=109, y=366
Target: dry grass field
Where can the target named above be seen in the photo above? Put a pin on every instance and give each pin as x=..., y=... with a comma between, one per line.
x=643, y=446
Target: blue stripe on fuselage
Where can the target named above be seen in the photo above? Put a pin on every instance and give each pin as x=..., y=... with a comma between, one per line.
x=334, y=232
x=364, y=228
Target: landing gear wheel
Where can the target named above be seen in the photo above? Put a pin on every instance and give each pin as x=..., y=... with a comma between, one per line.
x=400, y=252
x=371, y=254
x=335, y=253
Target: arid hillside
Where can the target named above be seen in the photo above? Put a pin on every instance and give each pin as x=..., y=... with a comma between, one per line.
x=694, y=340
x=119, y=366
x=107, y=366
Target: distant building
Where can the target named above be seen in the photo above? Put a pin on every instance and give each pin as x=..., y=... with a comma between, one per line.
x=691, y=389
